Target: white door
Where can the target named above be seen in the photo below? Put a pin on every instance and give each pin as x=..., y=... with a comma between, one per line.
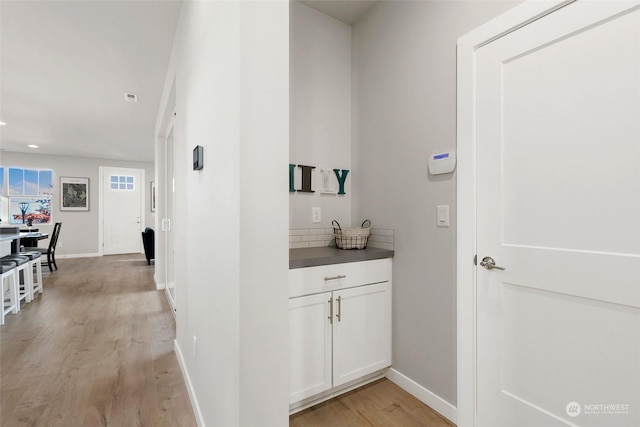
x=361, y=331
x=309, y=346
x=122, y=205
x=558, y=206
x=167, y=222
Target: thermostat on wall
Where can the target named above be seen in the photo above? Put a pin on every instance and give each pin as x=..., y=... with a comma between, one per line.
x=442, y=163
x=198, y=158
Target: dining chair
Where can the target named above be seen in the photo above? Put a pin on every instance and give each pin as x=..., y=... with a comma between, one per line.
x=24, y=281
x=10, y=301
x=51, y=250
x=148, y=242
x=35, y=267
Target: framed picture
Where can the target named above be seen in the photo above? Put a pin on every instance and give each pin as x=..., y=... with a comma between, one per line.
x=153, y=196
x=74, y=194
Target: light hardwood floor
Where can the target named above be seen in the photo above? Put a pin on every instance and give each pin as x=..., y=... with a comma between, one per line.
x=95, y=350
x=379, y=404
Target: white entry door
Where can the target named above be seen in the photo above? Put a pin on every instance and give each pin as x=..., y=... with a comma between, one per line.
x=558, y=207
x=122, y=205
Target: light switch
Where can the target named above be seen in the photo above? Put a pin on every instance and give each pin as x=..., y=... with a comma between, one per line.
x=443, y=215
x=316, y=215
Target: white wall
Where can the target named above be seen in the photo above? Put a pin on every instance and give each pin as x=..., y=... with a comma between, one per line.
x=80, y=230
x=264, y=237
x=404, y=56
x=320, y=112
x=207, y=279
x=230, y=64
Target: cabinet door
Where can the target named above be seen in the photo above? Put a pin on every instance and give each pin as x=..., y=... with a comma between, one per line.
x=361, y=331
x=309, y=346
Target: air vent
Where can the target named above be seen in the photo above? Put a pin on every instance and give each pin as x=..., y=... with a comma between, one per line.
x=131, y=97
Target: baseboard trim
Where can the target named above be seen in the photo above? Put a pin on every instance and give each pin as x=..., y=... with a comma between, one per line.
x=427, y=397
x=187, y=381
x=88, y=255
x=334, y=392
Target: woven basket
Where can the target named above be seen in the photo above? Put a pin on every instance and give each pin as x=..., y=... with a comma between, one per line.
x=352, y=238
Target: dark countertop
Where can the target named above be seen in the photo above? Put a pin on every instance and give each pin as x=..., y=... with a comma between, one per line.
x=9, y=233
x=312, y=257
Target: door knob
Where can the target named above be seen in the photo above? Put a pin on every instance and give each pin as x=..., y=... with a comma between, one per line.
x=488, y=263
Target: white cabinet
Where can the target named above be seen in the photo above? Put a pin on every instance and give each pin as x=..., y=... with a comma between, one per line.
x=309, y=346
x=361, y=331
x=340, y=330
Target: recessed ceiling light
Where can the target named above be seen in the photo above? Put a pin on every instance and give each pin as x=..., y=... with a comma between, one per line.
x=3, y=124
x=32, y=146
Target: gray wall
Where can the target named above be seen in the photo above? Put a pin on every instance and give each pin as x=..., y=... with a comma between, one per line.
x=320, y=82
x=79, y=234
x=404, y=94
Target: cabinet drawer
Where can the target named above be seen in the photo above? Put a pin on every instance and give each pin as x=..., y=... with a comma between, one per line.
x=313, y=280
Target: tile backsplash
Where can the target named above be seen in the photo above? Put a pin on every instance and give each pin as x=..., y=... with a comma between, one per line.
x=310, y=237
x=382, y=238
x=317, y=237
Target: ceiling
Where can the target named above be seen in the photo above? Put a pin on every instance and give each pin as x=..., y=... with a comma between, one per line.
x=347, y=11
x=65, y=66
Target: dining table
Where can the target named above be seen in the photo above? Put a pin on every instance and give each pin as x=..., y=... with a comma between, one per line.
x=11, y=239
x=29, y=239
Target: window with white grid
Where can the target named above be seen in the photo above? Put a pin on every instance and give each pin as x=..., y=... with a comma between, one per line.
x=122, y=182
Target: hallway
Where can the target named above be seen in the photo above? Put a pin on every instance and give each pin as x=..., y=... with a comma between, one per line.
x=96, y=349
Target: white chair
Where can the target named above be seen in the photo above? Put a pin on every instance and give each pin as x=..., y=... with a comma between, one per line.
x=35, y=267
x=10, y=301
x=24, y=283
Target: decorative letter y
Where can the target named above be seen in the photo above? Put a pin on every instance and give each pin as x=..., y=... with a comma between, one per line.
x=341, y=178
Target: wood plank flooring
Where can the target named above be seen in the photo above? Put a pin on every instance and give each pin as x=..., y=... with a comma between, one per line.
x=95, y=350
x=379, y=404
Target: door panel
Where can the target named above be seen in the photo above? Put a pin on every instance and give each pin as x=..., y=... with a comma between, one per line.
x=545, y=350
x=122, y=198
x=361, y=331
x=309, y=346
x=558, y=205
x=170, y=188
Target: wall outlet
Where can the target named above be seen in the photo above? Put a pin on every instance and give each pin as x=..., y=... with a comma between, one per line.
x=195, y=347
x=316, y=215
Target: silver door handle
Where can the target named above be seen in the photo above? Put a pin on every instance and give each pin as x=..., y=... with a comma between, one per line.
x=340, y=276
x=339, y=314
x=330, y=310
x=488, y=263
